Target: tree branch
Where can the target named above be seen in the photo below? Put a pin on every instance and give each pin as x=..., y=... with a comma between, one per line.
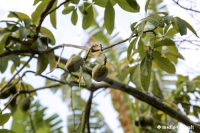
x=5, y=85
x=185, y=7
x=145, y=97
x=14, y=52
x=58, y=6
x=43, y=15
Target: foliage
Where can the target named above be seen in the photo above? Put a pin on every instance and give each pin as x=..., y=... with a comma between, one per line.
x=143, y=60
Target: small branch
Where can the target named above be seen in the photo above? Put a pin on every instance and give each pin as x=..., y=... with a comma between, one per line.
x=185, y=7
x=65, y=45
x=152, y=30
x=58, y=6
x=72, y=107
x=5, y=85
x=145, y=97
x=87, y=114
x=14, y=52
x=32, y=125
x=42, y=17
x=10, y=100
x=40, y=88
x=57, y=61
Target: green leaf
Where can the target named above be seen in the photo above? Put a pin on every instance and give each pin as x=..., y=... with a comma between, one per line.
x=3, y=64
x=21, y=16
x=164, y=42
x=74, y=1
x=156, y=85
x=181, y=26
x=163, y=63
x=13, y=68
x=196, y=80
x=109, y=17
x=146, y=5
x=15, y=59
x=145, y=79
x=167, y=19
x=124, y=5
x=87, y=79
x=53, y=15
x=103, y=3
x=36, y=1
x=41, y=63
x=68, y=9
x=23, y=32
x=3, y=39
x=4, y=118
x=35, y=16
x=156, y=20
x=141, y=49
x=74, y=17
x=6, y=131
x=174, y=51
x=141, y=27
x=136, y=76
x=89, y=17
x=171, y=32
x=39, y=45
x=48, y=33
x=51, y=59
x=191, y=87
x=133, y=4
x=189, y=26
x=130, y=48
x=143, y=67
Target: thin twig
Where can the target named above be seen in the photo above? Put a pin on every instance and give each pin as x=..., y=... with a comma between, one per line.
x=152, y=30
x=57, y=61
x=58, y=6
x=42, y=17
x=32, y=125
x=185, y=7
x=87, y=113
x=5, y=85
x=73, y=111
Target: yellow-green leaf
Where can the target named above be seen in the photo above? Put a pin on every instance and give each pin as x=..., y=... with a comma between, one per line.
x=103, y=3
x=124, y=5
x=68, y=9
x=189, y=27
x=143, y=67
x=3, y=38
x=109, y=17
x=156, y=20
x=163, y=63
x=145, y=80
x=4, y=118
x=146, y=5
x=164, y=42
x=47, y=32
x=53, y=15
x=6, y=131
x=23, y=32
x=89, y=17
x=133, y=4
x=141, y=49
x=74, y=17
x=181, y=26
x=41, y=64
x=130, y=48
x=136, y=76
x=35, y=16
x=21, y=16
x=51, y=59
